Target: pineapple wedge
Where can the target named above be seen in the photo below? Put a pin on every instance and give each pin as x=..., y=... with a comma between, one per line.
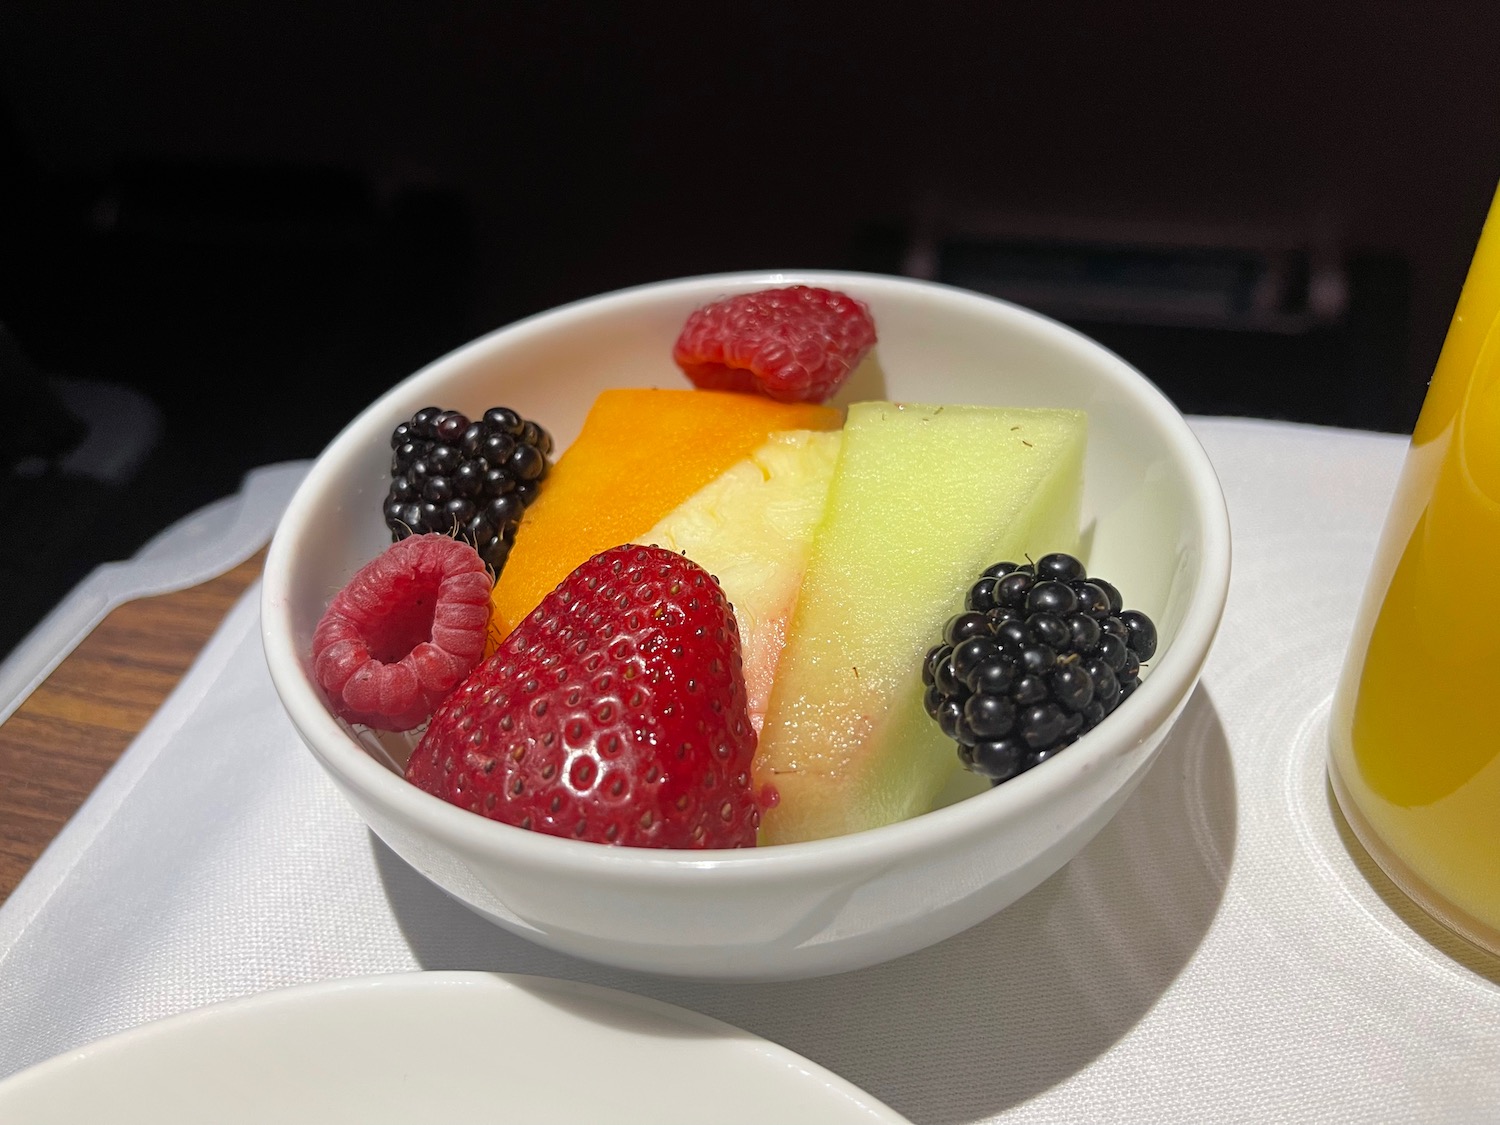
x=751, y=528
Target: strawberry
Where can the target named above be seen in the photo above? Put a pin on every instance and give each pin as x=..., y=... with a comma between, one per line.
x=408, y=627
x=615, y=712
x=796, y=344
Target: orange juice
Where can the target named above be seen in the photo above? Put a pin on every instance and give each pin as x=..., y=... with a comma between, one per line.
x=1415, y=730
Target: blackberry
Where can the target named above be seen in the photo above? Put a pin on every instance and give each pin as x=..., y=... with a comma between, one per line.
x=1040, y=654
x=472, y=480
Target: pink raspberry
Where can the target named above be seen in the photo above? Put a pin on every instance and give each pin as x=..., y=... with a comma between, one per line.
x=404, y=632
x=796, y=344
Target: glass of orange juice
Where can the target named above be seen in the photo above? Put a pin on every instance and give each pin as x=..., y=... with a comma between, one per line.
x=1414, y=753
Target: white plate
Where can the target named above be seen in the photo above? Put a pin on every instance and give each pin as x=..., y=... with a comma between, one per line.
x=436, y=1046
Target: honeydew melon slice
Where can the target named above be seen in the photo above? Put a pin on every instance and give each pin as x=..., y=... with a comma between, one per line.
x=922, y=499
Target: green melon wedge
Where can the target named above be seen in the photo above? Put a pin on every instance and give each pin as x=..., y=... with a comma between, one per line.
x=923, y=498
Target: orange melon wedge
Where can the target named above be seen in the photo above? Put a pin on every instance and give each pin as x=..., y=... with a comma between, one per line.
x=640, y=453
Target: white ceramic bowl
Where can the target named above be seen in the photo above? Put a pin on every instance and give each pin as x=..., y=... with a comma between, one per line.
x=1154, y=524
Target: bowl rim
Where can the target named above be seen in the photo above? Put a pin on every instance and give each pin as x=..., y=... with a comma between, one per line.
x=1174, y=672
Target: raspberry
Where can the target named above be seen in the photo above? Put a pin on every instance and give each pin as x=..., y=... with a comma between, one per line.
x=1040, y=655
x=796, y=344
x=614, y=713
x=404, y=632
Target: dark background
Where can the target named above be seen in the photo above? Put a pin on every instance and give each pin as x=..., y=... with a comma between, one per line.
x=250, y=219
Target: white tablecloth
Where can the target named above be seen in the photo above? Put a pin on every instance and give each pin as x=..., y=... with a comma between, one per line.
x=1215, y=954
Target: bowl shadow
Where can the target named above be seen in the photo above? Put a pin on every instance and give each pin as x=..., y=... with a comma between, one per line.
x=993, y=1016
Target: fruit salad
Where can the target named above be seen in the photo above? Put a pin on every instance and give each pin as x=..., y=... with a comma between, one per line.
x=731, y=614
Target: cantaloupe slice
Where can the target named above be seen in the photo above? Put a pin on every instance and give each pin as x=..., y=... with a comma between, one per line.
x=923, y=498
x=640, y=453
x=751, y=527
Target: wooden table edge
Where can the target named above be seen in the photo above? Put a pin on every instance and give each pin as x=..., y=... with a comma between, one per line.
x=67, y=734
